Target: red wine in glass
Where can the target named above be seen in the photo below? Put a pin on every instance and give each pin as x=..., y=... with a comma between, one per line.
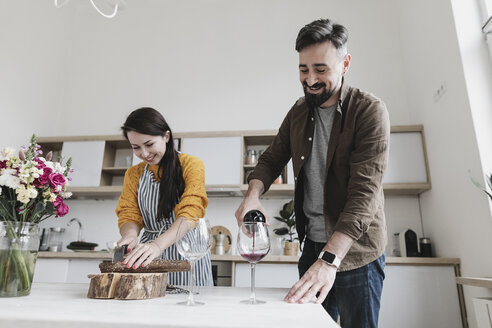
x=253, y=258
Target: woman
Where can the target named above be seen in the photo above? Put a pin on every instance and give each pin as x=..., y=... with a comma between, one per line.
x=157, y=194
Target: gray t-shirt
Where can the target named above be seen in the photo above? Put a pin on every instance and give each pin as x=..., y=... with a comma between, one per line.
x=315, y=174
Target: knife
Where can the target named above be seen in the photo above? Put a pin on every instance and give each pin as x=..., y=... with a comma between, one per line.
x=119, y=253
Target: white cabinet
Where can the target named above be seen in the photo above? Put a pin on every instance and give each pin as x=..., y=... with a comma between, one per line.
x=407, y=160
x=51, y=270
x=87, y=161
x=221, y=156
x=281, y=275
x=65, y=270
x=420, y=296
x=483, y=312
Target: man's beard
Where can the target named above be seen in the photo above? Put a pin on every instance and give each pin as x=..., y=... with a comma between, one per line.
x=316, y=100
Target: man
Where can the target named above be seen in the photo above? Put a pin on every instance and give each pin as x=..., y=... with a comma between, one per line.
x=338, y=139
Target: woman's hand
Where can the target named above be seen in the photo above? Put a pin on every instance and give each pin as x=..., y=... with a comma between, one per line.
x=129, y=235
x=129, y=240
x=142, y=255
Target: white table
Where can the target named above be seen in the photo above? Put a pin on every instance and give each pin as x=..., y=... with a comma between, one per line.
x=57, y=305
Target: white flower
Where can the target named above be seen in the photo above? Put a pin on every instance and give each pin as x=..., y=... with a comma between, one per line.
x=22, y=194
x=9, y=179
x=32, y=192
x=66, y=194
x=7, y=153
x=58, y=168
x=48, y=195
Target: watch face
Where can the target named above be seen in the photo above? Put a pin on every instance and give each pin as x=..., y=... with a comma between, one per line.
x=328, y=257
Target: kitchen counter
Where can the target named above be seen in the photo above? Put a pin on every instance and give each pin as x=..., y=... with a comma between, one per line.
x=268, y=259
x=57, y=305
x=474, y=281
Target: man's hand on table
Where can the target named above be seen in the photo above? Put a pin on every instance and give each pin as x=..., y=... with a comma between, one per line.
x=319, y=278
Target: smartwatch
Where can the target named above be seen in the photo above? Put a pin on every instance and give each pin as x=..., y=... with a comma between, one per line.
x=330, y=259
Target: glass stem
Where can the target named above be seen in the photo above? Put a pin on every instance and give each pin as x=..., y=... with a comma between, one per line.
x=191, y=299
x=252, y=296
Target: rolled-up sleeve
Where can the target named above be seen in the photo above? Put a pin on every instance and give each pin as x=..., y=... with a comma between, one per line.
x=368, y=162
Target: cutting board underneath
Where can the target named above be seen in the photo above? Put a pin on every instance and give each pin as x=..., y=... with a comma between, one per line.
x=127, y=286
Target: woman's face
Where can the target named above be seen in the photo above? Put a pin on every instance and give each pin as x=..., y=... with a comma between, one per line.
x=148, y=148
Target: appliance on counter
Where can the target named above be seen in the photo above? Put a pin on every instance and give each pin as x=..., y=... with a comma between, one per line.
x=55, y=243
x=406, y=244
x=220, y=241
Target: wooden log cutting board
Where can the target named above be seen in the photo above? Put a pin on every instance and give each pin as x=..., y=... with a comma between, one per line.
x=116, y=281
x=127, y=286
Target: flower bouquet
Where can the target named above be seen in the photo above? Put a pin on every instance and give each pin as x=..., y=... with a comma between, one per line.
x=32, y=189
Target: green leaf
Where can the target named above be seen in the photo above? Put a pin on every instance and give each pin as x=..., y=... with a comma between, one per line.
x=284, y=214
x=6, y=209
x=290, y=207
x=39, y=208
x=281, y=219
x=50, y=209
x=281, y=231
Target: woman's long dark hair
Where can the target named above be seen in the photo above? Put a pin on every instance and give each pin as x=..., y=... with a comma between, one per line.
x=149, y=121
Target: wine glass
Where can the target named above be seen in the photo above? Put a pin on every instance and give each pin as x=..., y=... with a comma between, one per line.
x=193, y=241
x=253, y=243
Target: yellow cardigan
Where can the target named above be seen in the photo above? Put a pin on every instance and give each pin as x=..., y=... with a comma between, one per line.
x=192, y=203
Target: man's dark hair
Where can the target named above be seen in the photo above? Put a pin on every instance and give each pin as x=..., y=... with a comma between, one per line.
x=322, y=30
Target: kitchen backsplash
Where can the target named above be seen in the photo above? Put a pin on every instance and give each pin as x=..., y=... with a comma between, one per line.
x=99, y=221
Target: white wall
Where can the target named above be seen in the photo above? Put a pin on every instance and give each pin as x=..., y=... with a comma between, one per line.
x=202, y=59
x=456, y=214
x=32, y=68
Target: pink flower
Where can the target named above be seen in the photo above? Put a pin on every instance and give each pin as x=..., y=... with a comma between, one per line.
x=44, y=179
x=56, y=179
x=40, y=164
x=58, y=201
x=3, y=164
x=61, y=209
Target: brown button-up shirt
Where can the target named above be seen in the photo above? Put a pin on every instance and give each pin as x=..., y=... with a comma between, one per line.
x=355, y=164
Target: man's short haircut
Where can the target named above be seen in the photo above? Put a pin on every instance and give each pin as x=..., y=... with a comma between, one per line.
x=322, y=30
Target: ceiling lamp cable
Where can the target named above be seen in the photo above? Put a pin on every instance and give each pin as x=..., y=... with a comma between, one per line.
x=59, y=4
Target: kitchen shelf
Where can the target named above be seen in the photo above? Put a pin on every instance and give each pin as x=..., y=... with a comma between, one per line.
x=117, y=151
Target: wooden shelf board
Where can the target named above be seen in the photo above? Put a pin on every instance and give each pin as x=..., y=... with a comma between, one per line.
x=476, y=282
x=115, y=171
x=405, y=188
x=103, y=191
x=80, y=138
x=276, y=190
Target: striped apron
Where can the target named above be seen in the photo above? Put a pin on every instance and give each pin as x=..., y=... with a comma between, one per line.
x=148, y=201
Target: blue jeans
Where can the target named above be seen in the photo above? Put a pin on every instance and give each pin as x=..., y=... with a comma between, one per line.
x=355, y=294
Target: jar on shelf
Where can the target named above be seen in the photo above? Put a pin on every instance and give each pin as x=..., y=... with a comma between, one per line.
x=251, y=157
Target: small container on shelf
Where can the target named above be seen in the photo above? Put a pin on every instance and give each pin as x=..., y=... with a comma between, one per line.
x=251, y=157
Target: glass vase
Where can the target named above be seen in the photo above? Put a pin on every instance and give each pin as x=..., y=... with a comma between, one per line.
x=19, y=243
